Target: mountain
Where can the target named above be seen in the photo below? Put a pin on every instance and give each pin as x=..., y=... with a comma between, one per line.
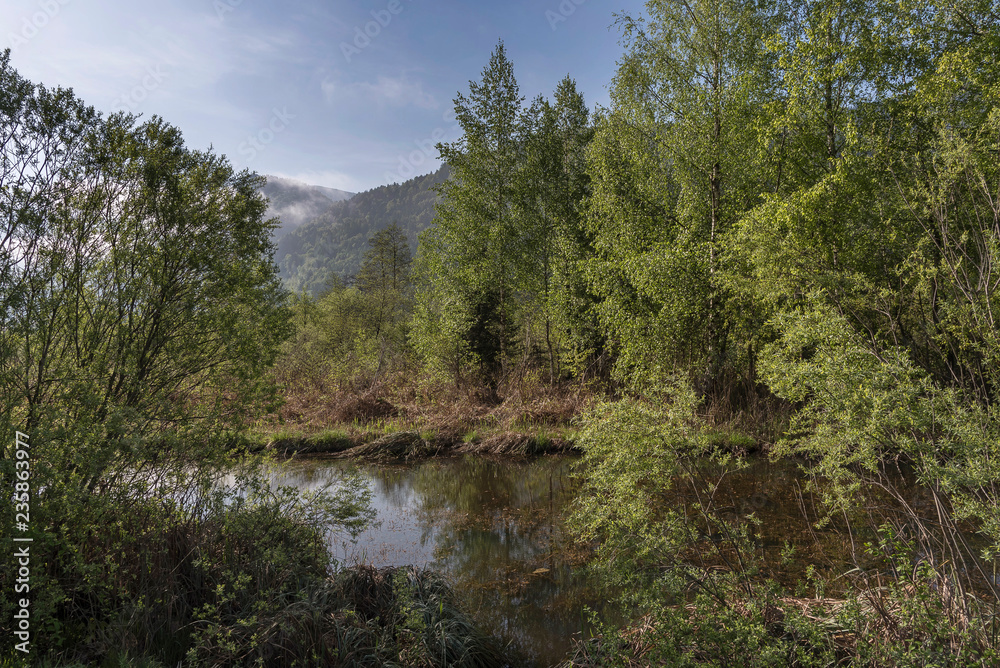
x=296, y=203
x=336, y=241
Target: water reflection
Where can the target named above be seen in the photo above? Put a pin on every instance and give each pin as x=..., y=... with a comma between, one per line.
x=492, y=527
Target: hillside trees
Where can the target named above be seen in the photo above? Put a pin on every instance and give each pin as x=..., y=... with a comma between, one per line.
x=674, y=165
x=385, y=277
x=335, y=242
x=355, y=335
x=384, y=281
x=500, y=274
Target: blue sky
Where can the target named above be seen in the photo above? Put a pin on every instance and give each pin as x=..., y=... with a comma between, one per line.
x=346, y=94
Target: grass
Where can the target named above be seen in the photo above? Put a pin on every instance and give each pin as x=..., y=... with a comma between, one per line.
x=733, y=441
x=289, y=440
x=536, y=415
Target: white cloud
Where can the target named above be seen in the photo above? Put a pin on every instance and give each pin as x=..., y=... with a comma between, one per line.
x=386, y=91
x=329, y=88
x=327, y=178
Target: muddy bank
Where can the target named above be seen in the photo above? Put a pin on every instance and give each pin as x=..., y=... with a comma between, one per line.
x=411, y=446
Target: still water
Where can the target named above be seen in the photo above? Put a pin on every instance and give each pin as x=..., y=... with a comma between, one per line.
x=493, y=528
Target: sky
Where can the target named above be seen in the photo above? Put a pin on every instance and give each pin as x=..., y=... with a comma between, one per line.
x=345, y=94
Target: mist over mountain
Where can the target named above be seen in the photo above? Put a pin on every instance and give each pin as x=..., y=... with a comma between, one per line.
x=296, y=203
x=335, y=241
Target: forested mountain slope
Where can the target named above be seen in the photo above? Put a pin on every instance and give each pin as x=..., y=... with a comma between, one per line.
x=335, y=241
x=296, y=203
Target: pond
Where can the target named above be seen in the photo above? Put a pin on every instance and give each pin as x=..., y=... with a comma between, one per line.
x=494, y=529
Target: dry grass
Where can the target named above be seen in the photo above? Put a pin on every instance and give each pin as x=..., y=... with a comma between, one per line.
x=531, y=416
x=515, y=444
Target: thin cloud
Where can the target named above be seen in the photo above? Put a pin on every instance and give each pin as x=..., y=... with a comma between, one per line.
x=385, y=91
x=327, y=178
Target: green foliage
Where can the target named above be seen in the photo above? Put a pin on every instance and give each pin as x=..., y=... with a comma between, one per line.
x=166, y=577
x=866, y=407
x=334, y=243
x=553, y=187
x=673, y=168
x=144, y=299
x=634, y=452
x=349, y=337
x=140, y=312
x=477, y=248
x=821, y=218
x=500, y=274
x=710, y=632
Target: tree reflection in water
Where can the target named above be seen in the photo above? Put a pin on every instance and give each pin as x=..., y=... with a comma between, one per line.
x=493, y=528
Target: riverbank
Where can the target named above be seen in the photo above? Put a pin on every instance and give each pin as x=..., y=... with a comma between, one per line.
x=405, y=445
x=412, y=418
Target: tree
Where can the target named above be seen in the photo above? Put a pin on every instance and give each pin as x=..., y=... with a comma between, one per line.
x=384, y=279
x=43, y=136
x=553, y=186
x=476, y=250
x=386, y=265
x=695, y=78
x=140, y=312
x=879, y=259
x=146, y=301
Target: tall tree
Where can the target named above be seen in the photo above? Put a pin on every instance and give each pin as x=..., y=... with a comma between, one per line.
x=477, y=244
x=385, y=276
x=553, y=186
x=386, y=265
x=695, y=78
x=151, y=302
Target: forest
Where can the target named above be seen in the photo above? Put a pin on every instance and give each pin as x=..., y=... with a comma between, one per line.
x=777, y=242
x=334, y=242
x=780, y=237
